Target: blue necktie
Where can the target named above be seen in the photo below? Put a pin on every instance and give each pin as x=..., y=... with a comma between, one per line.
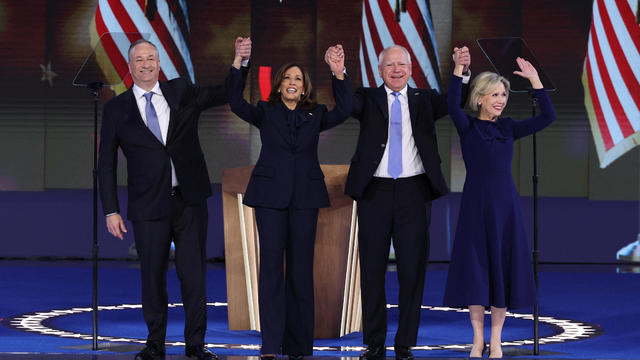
x=152, y=117
x=395, y=138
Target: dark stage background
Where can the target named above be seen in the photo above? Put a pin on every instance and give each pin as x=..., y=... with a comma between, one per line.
x=587, y=213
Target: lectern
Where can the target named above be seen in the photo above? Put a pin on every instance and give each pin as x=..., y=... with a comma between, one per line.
x=336, y=267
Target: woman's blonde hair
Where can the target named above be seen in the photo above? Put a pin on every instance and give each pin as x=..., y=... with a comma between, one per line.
x=483, y=84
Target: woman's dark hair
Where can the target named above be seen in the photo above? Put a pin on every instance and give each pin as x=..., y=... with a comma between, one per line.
x=305, y=99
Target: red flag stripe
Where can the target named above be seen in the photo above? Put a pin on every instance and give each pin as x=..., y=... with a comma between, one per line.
x=370, y=75
x=398, y=37
x=623, y=121
x=626, y=13
x=126, y=23
x=167, y=42
x=597, y=108
x=418, y=22
x=375, y=38
x=110, y=47
x=128, y=26
x=411, y=32
x=621, y=60
x=423, y=31
x=181, y=19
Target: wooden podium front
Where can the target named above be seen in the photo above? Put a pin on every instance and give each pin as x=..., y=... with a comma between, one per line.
x=336, y=266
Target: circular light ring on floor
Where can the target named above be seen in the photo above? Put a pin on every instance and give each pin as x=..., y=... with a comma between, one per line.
x=39, y=322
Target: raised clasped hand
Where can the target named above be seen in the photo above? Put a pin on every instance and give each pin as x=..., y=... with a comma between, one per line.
x=462, y=56
x=243, y=47
x=334, y=57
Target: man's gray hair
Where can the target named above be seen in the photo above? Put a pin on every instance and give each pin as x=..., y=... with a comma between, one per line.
x=138, y=42
x=383, y=52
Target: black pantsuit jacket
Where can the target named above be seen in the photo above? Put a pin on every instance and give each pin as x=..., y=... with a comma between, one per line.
x=287, y=187
x=288, y=171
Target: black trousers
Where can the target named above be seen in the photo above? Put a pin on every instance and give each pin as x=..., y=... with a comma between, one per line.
x=188, y=229
x=393, y=209
x=286, y=301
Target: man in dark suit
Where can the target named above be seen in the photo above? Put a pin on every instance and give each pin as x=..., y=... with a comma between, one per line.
x=394, y=175
x=156, y=126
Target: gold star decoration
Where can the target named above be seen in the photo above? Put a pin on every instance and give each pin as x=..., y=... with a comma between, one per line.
x=47, y=73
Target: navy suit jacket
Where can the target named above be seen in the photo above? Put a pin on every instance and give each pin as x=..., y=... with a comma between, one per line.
x=288, y=171
x=148, y=160
x=370, y=107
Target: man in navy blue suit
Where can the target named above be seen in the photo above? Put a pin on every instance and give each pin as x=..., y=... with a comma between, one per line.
x=394, y=175
x=156, y=126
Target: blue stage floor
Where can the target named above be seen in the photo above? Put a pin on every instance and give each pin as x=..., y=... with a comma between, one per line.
x=587, y=312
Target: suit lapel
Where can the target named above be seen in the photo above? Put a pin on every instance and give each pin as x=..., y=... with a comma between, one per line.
x=307, y=125
x=133, y=105
x=137, y=117
x=383, y=104
x=173, y=101
x=413, y=96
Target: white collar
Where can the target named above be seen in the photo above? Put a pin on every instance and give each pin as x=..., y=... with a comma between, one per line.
x=139, y=92
x=403, y=91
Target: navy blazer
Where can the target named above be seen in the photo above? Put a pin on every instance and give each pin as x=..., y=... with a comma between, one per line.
x=371, y=108
x=288, y=171
x=148, y=160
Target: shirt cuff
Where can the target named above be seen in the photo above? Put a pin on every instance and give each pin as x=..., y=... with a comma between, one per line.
x=245, y=63
x=110, y=214
x=466, y=77
x=344, y=71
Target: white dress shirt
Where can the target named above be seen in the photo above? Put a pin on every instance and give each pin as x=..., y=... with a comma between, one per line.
x=162, y=110
x=411, y=161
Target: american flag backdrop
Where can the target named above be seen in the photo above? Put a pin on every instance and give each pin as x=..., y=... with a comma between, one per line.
x=611, y=78
x=118, y=23
x=399, y=22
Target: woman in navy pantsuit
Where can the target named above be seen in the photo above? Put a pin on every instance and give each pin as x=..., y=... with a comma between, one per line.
x=286, y=189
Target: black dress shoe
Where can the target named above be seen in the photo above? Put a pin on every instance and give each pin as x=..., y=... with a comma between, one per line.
x=150, y=352
x=374, y=353
x=296, y=357
x=402, y=352
x=200, y=353
x=267, y=357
